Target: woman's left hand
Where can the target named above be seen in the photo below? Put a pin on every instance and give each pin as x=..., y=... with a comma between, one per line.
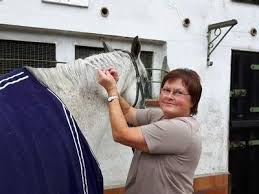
x=106, y=80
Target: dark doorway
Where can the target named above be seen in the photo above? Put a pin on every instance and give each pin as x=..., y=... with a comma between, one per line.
x=244, y=123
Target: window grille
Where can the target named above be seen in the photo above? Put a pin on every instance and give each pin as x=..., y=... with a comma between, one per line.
x=147, y=59
x=84, y=51
x=16, y=54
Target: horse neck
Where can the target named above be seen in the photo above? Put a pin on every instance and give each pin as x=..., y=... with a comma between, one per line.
x=76, y=84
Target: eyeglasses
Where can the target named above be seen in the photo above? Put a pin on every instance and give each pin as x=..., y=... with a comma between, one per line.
x=177, y=93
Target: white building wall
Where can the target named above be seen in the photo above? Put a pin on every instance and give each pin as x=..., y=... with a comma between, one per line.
x=160, y=21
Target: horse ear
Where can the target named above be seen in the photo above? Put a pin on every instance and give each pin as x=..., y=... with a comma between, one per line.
x=135, y=47
x=107, y=48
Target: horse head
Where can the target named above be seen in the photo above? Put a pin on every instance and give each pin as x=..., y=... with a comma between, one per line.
x=140, y=77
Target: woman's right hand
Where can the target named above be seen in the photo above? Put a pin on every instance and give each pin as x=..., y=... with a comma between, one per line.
x=106, y=80
x=114, y=73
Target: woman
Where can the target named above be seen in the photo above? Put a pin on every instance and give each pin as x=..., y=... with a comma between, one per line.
x=167, y=141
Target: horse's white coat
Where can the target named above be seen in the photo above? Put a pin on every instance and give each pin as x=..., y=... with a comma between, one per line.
x=76, y=85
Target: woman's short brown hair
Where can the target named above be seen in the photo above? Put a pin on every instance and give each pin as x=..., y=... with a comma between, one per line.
x=191, y=81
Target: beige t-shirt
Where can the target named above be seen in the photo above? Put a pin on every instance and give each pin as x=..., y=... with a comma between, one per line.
x=175, y=148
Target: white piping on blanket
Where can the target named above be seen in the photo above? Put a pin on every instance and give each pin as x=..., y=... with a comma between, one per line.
x=13, y=82
x=11, y=77
x=77, y=144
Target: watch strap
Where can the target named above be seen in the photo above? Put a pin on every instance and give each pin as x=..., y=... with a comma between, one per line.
x=111, y=98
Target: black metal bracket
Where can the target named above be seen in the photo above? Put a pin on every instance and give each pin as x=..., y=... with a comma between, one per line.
x=217, y=32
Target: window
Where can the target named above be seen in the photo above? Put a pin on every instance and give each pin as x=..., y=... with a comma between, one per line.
x=16, y=54
x=147, y=59
x=84, y=51
x=80, y=3
x=248, y=1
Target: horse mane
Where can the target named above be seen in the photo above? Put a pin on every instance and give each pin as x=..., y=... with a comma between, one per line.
x=83, y=72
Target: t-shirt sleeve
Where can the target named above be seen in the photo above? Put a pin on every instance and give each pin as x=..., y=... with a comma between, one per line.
x=142, y=116
x=168, y=136
x=148, y=115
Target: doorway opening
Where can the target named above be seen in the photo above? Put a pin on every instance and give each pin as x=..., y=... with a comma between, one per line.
x=244, y=122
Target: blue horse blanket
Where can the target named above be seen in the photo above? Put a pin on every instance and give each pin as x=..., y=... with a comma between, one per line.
x=42, y=150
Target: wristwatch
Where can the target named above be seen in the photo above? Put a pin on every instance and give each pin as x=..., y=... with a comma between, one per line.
x=111, y=98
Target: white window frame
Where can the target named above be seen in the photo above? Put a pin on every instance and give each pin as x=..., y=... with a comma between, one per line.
x=79, y=3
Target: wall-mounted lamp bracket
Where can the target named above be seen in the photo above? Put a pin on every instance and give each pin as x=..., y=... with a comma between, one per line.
x=217, y=32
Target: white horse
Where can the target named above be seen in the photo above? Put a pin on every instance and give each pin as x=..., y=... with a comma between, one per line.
x=76, y=85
